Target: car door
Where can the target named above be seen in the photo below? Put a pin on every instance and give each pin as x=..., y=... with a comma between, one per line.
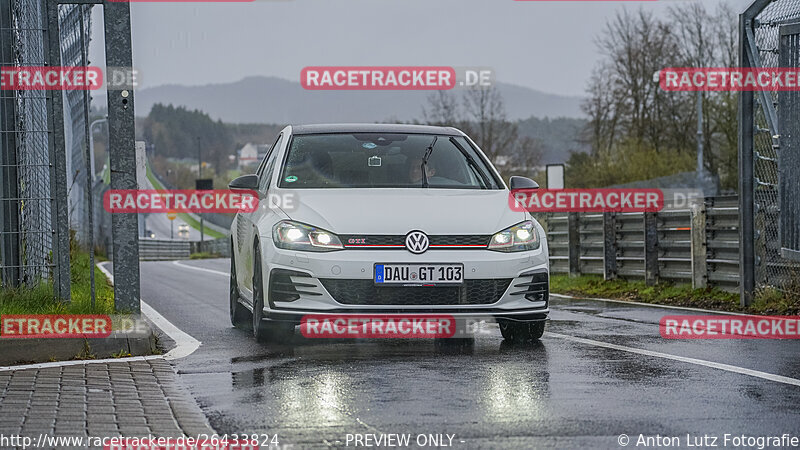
x=246, y=223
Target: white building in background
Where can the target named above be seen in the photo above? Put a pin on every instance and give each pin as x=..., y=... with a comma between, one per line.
x=248, y=155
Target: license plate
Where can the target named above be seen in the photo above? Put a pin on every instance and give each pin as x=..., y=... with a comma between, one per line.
x=419, y=274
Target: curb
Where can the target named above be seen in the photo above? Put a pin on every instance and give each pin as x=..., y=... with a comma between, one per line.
x=26, y=351
x=652, y=305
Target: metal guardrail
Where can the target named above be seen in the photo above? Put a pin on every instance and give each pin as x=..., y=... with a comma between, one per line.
x=219, y=247
x=164, y=250
x=158, y=250
x=698, y=246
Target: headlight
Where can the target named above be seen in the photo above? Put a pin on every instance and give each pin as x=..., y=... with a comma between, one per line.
x=297, y=236
x=518, y=238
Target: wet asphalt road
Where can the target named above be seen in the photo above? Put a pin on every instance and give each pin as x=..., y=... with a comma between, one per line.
x=568, y=391
x=164, y=228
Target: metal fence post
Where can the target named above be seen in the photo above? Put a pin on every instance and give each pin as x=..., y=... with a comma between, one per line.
x=574, y=236
x=121, y=143
x=746, y=206
x=650, y=248
x=89, y=162
x=609, y=246
x=699, y=248
x=58, y=161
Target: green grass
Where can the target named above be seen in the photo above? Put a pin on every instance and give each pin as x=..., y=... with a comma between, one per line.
x=672, y=294
x=203, y=255
x=191, y=221
x=39, y=299
x=196, y=225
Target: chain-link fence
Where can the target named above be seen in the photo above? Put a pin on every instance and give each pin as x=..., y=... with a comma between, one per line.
x=46, y=175
x=75, y=26
x=769, y=125
x=26, y=195
x=26, y=141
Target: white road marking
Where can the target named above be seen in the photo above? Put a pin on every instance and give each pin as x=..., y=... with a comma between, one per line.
x=185, y=344
x=202, y=269
x=699, y=362
x=78, y=363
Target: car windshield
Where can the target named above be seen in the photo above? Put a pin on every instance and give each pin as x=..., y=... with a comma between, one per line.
x=381, y=160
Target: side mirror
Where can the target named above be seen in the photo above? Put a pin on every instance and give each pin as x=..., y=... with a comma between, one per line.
x=522, y=183
x=249, y=182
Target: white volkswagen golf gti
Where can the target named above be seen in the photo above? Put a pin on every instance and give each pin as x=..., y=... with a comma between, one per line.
x=384, y=219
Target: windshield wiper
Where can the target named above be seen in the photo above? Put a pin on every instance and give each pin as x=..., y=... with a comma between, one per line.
x=424, y=165
x=472, y=163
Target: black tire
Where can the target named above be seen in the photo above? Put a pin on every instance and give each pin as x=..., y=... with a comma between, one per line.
x=240, y=316
x=520, y=332
x=266, y=331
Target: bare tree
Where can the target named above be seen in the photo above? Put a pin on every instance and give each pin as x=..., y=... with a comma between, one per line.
x=487, y=121
x=636, y=46
x=603, y=109
x=442, y=109
x=626, y=106
x=709, y=39
x=482, y=115
x=527, y=153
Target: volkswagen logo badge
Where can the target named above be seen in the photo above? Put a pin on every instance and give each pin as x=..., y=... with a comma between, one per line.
x=417, y=242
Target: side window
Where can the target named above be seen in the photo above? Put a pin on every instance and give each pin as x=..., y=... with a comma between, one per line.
x=266, y=175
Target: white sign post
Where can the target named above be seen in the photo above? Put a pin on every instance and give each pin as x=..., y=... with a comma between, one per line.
x=555, y=176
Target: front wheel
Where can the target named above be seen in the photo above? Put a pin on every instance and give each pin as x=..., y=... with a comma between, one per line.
x=519, y=332
x=266, y=331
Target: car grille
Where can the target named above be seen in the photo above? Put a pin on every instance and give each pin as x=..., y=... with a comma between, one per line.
x=364, y=292
x=535, y=289
x=382, y=241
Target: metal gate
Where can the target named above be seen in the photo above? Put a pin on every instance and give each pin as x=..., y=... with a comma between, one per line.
x=768, y=160
x=789, y=156
x=44, y=146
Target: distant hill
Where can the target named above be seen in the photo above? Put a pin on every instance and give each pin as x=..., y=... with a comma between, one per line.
x=558, y=136
x=278, y=101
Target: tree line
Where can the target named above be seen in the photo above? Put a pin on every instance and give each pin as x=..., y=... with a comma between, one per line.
x=635, y=129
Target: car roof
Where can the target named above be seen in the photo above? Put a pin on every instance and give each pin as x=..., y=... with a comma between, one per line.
x=374, y=128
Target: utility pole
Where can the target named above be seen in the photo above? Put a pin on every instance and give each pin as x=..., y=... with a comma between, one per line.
x=199, y=159
x=122, y=152
x=700, y=176
x=199, y=176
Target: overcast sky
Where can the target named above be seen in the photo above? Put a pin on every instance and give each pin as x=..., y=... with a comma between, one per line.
x=545, y=45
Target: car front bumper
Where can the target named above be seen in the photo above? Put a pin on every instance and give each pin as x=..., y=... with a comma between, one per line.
x=356, y=265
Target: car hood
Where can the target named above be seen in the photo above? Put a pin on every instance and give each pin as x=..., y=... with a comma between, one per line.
x=398, y=211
